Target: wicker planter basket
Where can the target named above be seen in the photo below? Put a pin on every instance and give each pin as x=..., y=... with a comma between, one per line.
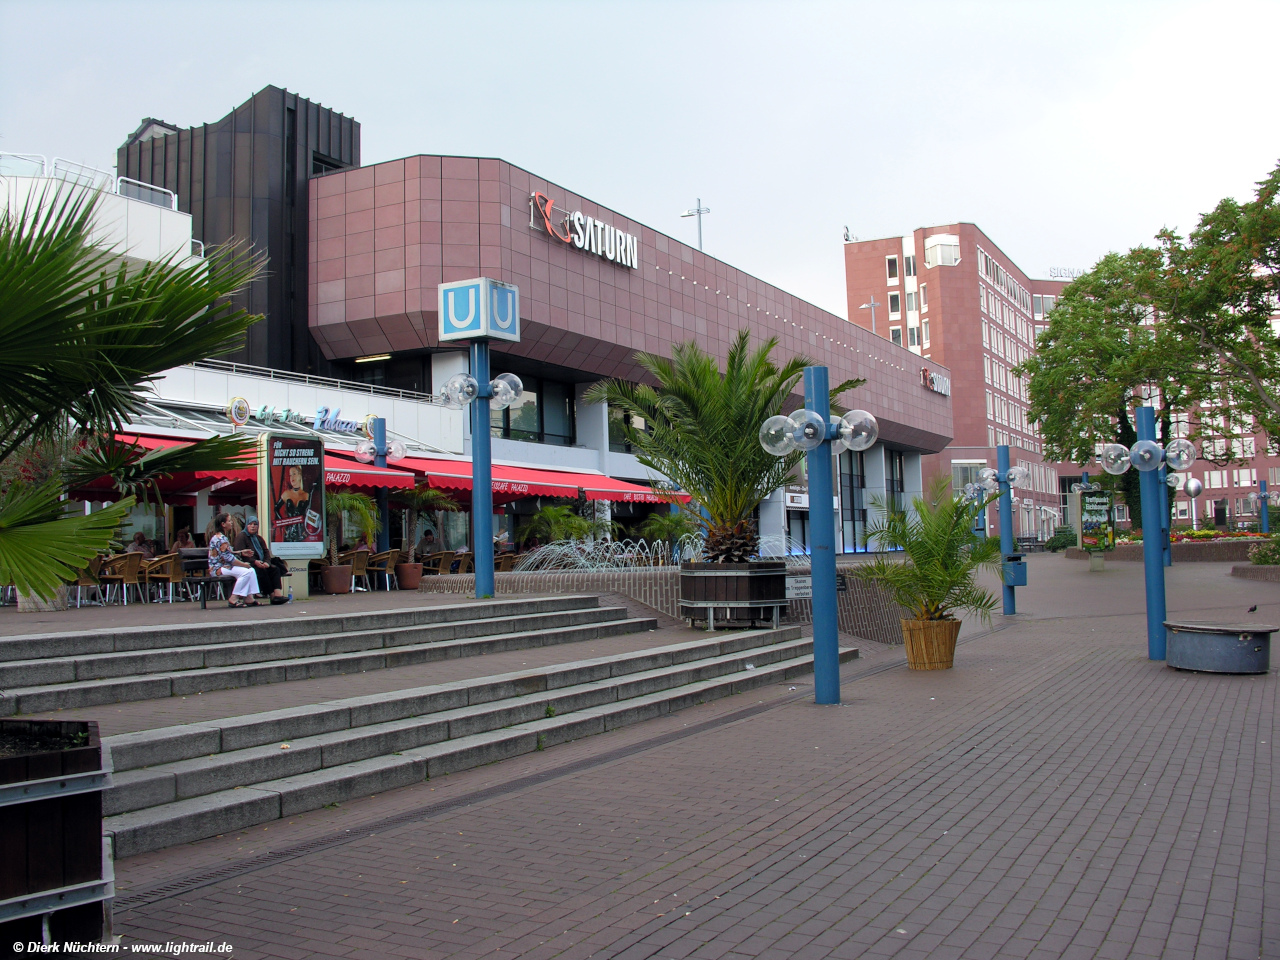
x=931, y=644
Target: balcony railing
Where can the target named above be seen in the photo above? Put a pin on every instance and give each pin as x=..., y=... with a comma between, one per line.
x=35, y=165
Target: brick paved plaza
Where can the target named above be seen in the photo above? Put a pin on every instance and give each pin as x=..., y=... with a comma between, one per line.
x=1055, y=795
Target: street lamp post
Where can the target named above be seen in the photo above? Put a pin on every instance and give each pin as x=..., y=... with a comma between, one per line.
x=477, y=311
x=377, y=450
x=1149, y=458
x=1013, y=571
x=697, y=211
x=821, y=435
x=871, y=305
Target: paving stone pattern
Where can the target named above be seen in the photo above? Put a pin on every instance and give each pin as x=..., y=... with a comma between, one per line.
x=1056, y=795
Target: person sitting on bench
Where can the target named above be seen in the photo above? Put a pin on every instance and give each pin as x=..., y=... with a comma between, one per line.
x=224, y=563
x=253, y=548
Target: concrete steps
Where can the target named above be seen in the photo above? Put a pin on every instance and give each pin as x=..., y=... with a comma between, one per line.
x=59, y=671
x=179, y=784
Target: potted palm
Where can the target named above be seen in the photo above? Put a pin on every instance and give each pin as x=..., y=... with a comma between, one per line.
x=421, y=499
x=942, y=555
x=336, y=577
x=700, y=431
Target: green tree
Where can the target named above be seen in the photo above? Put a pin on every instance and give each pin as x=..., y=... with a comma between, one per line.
x=84, y=334
x=1187, y=326
x=1101, y=356
x=423, y=499
x=359, y=508
x=703, y=433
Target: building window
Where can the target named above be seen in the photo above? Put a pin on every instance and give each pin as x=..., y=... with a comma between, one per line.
x=986, y=368
x=895, y=303
x=895, y=334
x=543, y=413
x=924, y=332
x=1037, y=304
x=895, y=483
x=909, y=266
x=891, y=269
x=1049, y=302
x=913, y=336
x=924, y=297
x=617, y=438
x=911, y=302
x=853, y=511
x=986, y=335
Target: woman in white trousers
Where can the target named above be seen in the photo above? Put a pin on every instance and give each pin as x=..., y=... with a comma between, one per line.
x=224, y=563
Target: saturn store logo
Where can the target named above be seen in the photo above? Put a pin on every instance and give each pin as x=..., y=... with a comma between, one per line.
x=585, y=233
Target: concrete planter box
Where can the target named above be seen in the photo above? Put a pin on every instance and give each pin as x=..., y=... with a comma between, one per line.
x=1218, y=647
x=1187, y=551
x=55, y=871
x=1257, y=571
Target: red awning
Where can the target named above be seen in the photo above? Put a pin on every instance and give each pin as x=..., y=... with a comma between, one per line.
x=513, y=482
x=349, y=473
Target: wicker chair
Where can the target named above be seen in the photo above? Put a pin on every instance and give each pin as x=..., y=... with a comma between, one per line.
x=359, y=560
x=384, y=565
x=163, y=571
x=88, y=578
x=122, y=571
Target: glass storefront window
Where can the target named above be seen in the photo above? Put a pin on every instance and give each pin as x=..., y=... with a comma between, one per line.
x=543, y=413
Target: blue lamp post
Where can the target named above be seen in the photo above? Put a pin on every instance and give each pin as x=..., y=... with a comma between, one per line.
x=1264, y=520
x=1150, y=458
x=376, y=450
x=820, y=435
x=477, y=311
x=1013, y=570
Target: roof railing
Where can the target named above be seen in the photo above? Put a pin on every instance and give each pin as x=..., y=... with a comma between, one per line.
x=81, y=174
x=332, y=383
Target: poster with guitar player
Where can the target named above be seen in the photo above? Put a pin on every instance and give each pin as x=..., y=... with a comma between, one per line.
x=295, y=495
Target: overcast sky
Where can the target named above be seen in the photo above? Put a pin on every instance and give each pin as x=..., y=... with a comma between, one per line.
x=1064, y=130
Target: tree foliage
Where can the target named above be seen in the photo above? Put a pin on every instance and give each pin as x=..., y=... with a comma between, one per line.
x=702, y=432
x=942, y=554
x=85, y=331
x=1186, y=326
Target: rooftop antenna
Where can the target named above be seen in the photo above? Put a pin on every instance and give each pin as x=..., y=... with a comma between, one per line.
x=698, y=211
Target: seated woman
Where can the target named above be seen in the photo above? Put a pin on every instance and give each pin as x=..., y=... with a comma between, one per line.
x=182, y=541
x=253, y=548
x=224, y=563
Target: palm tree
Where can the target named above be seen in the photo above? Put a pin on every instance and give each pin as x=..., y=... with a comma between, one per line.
x=361, y=508
x=702, y=429
x=554, y=522
x=84, y=334
x=667, y=527
x=423, y=499
x=942, y=555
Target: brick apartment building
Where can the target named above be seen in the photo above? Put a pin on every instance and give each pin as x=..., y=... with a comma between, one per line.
x=949, y=295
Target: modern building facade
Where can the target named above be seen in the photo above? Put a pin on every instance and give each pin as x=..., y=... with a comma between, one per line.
x=950, y=296
x=364, y=248
x=243, y=179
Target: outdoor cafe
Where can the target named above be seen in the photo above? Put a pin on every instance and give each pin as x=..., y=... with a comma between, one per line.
x=300, y=464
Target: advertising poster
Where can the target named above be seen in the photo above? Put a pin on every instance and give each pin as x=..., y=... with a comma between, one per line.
x=1097, y=529
x=295, y=496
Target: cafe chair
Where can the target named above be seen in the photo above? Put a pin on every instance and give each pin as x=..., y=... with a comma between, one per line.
x=87, y=579
x=163, y=572
x=122, y=571
x=383, y=564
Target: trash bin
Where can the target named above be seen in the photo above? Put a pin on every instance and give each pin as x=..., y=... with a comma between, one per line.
x=1015, y=570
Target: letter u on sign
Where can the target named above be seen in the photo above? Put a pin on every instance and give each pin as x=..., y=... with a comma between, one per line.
x=479, y=309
